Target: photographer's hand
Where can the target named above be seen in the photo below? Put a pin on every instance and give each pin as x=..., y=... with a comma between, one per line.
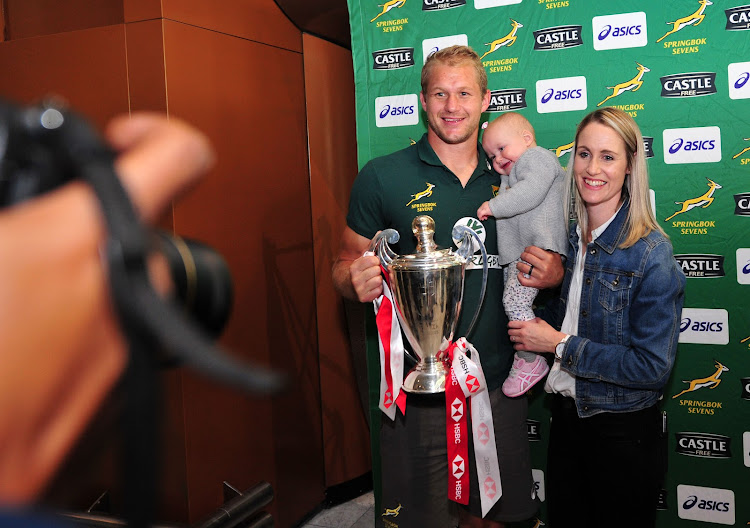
x=160, y=159
x=62, y=347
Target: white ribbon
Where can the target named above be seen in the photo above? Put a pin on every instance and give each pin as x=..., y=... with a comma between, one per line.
x=471, y=378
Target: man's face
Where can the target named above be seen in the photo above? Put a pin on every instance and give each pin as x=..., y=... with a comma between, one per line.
x=454, y=103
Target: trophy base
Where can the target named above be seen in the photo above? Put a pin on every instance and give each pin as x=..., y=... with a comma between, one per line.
x=428, y=377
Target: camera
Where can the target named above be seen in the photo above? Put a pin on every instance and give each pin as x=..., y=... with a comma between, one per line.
x=40, y=150
x=45, y=146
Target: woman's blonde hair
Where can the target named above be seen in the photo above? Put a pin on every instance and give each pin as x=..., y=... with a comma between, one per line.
x=640, y=221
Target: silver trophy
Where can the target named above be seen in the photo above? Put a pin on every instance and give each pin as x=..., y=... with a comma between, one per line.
x=428, y=290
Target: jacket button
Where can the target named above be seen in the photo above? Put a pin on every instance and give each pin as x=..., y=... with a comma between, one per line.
x=584, y=313
x=570, y=361
x=588, y=281
x=585, y=407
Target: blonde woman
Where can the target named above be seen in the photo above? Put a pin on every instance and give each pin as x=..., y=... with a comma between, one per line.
x=613, y=334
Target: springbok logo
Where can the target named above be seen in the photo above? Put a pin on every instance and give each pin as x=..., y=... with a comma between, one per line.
x=391, y=4
x=392, y=512
x=539, y=523
x=424, y=194
x=740, y=153
x=748, y=344
x=507, y=40
x=704, y=200
x=633, y=84
x=711, y=381
x=693, y=19
x=563, y=149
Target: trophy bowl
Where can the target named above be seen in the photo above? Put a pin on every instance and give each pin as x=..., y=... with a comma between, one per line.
x=428, y=290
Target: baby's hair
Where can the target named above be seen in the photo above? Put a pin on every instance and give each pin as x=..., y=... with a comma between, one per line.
x=512, y=120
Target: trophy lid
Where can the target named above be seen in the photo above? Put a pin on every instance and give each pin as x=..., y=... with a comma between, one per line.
x=428, y=255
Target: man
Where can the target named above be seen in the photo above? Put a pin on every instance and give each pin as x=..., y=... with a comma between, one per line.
x=449, y=162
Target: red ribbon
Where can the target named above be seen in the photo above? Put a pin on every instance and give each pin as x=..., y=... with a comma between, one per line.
x=457, y=435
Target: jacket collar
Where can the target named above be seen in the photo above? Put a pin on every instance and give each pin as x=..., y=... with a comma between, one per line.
x=616, y=231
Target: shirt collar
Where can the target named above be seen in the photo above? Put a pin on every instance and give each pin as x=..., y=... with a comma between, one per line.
x=428, y=156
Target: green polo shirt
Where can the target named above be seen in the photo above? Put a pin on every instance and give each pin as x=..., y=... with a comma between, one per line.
x=391, y=190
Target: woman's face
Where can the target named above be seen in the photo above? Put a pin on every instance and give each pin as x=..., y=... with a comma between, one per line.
x=599, y=169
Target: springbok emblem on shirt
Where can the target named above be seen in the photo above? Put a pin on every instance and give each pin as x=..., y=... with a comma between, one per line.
x=424, y=194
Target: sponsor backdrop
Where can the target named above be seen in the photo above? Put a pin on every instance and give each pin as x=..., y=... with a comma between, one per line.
x=682, y=70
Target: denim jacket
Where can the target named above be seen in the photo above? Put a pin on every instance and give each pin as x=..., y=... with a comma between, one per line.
x=629, y=321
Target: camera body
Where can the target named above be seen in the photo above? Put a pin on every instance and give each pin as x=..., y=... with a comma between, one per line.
x=43, y=147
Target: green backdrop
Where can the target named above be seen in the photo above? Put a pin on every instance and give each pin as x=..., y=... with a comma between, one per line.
x=681, y=69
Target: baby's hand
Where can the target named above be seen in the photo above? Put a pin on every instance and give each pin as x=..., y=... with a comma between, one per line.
x=484, y=211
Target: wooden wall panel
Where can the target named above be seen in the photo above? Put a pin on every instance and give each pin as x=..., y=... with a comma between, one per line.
x=138, y=10
x=255, y=209
x=30, y=18
x=257, y=20
x=329, y=92
x=146, y=76
x=86, y=68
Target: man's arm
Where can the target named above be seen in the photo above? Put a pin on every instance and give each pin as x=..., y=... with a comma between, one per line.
x=356, y=277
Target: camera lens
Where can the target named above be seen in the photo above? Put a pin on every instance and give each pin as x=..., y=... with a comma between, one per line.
x=202, y=281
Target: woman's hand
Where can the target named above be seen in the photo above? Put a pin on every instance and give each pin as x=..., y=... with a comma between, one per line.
x=534, y=336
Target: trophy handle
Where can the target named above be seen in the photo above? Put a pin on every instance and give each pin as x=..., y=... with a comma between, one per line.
x=380, y=248
x=466, y=250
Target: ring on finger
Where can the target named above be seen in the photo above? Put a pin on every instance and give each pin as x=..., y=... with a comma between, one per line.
x=531, y=268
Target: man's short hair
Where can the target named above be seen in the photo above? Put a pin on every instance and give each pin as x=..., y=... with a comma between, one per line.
x=454, y=56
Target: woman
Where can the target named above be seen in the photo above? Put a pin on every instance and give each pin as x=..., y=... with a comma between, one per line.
x=618, y=315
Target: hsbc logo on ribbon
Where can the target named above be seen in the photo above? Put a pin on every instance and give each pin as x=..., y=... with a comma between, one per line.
x=459, y=467
x=490, y=487
x=457, y=410
x=473, y=383
x=484, y=433
x=388, y=399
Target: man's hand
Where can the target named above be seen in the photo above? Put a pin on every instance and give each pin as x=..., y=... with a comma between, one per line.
x=356, y=276
x=366, y=279
x=540, y=269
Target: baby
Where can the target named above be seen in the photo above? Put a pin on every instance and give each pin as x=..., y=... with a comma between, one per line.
x=529, y=212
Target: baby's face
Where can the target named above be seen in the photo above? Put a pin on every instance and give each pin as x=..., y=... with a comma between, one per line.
x=503, y=147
